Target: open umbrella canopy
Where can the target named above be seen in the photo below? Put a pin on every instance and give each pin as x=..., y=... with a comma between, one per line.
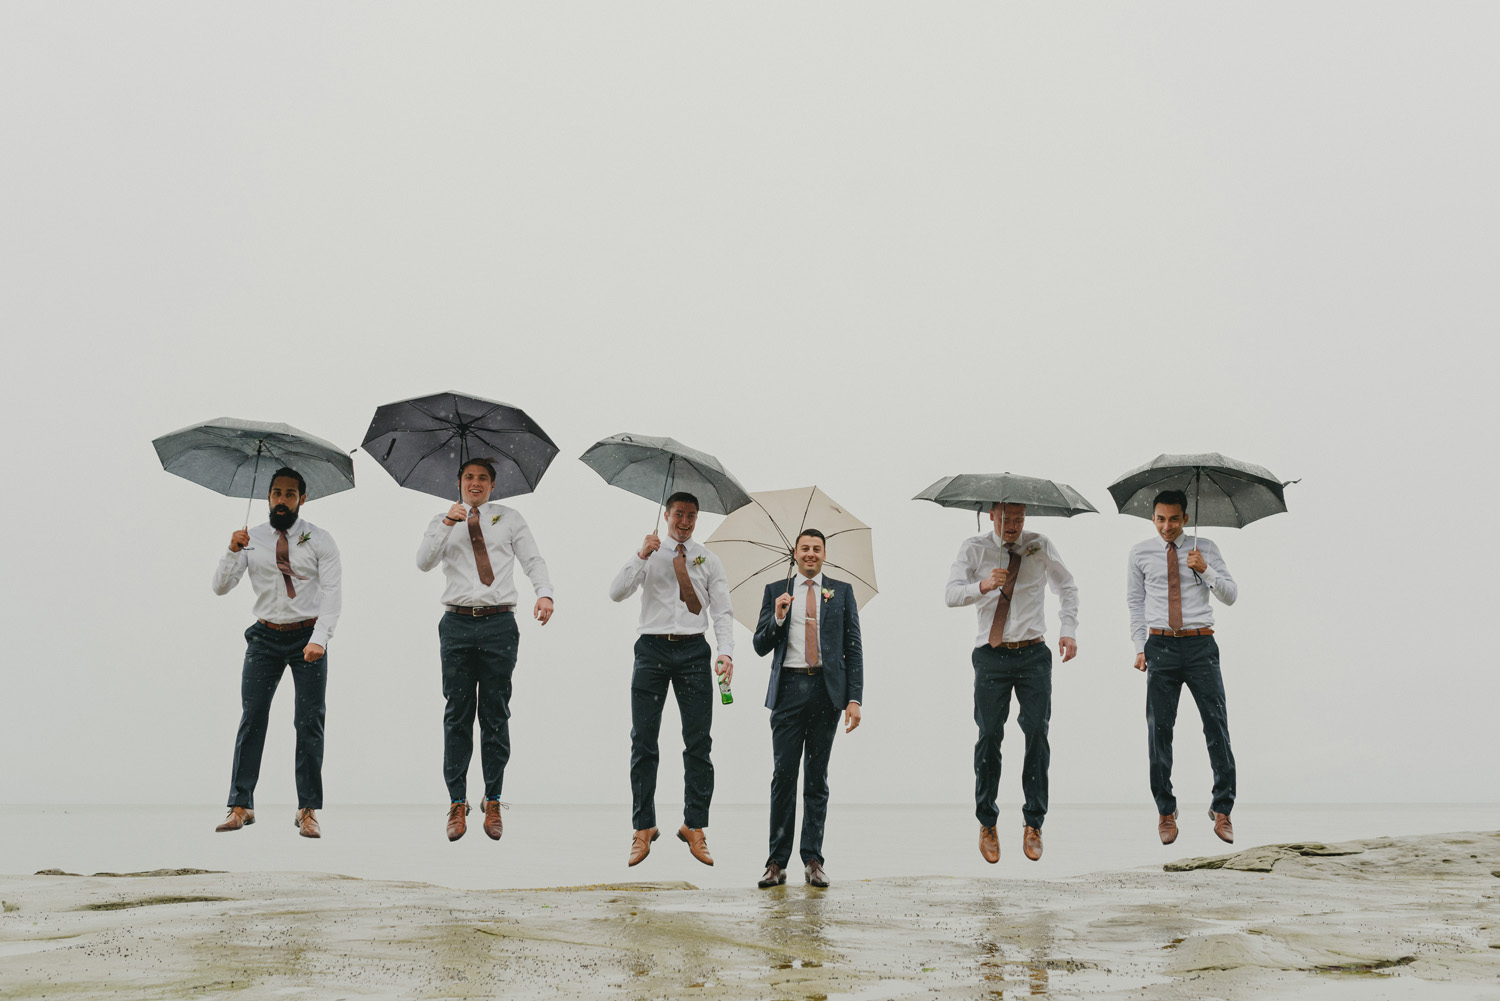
x=237, y=457
x=421, y=442
x=657, y=467
x=1222, y=492
x=755, y=544
x=982, y=491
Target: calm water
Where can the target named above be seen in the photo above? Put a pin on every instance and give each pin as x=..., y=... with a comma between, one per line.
x=570, y=845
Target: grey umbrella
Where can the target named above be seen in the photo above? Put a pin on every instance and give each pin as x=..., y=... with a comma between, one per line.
x=1223, y=492
x=657, y=467
x=982, y=491
x=237, y=457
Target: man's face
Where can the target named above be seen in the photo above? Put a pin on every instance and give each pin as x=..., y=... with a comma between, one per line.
x=474, y=485
x=284, y=500
x=1170, y=520
x=1009, y=521
x=809, y=555
x=681, y=518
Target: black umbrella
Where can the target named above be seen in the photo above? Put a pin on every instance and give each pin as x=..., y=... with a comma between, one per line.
x=422, y=442
x=1224, y=492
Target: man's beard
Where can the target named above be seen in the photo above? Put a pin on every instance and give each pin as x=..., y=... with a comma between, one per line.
x=282, y=517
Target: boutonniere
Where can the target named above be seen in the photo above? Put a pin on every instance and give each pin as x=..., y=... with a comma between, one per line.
x=496, y=518
x=827, y=593
x=303, y=537
x=1032, y=549
x=698, y=562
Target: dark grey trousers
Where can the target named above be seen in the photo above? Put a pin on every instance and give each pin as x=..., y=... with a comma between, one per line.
x=268, y=653
x=803, y=725
x=479, y=657
x=998, y=672
x=1171, y=662
x=682, y=665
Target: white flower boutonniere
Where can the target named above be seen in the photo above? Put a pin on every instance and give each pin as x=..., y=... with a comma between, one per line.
x=1033, y=549
x=303, y=537
x=698, y=562
x=827, y=593
x=496, y=518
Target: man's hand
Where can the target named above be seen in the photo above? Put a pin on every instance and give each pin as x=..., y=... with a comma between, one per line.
x=994, y=581
x=1068, y=647
x=851, y=717
x=239, y=540
x=725, y=666
x=456, y=514
x=1140, y=662
x=651, y=545
x=543, y=610
x=1196, y=562
x=312, y=653
x=783, y=603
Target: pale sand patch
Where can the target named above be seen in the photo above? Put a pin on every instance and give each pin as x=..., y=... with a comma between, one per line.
x=1392, y=918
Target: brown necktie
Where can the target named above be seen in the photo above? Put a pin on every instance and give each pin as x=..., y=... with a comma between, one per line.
x=284, y=563
x=481, y=552
x=1174, y=589
x=810, y=644
x=1002, y=607
x=684, y=585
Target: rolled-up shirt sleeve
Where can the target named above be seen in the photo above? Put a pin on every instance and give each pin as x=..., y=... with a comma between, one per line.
x=721, y=606
x=1062, y=584
x=229, y=571
x=430, y=550
x=1216, y=575
x=331, y=590
x=628, y=579
x=523, y=544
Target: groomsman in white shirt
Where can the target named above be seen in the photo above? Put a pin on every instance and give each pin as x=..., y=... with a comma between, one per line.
x=295, y=571
x=478, y=544
x=1004, y=573
x=1167, y=588
x=682, y=587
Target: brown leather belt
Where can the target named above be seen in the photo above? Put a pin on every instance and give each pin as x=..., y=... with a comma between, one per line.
x=288, y=627
x=478, y=611
x=802, y=670
x=1020, y=643
x=1182, y=632
x=674, y=637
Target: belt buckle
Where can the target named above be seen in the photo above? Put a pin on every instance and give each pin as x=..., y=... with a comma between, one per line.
x=474, y=611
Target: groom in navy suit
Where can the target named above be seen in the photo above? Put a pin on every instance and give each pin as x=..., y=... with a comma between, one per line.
x=812, y=623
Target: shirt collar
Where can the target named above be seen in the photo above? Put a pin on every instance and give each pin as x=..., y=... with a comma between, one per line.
x=993, y=538
x=801, y=581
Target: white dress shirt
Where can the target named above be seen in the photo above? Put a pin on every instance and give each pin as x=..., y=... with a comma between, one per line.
x=507, y=538
x=796, y=636
x=312, y=553
x=1146, y=586
x=1041, y=567
x=662, y=607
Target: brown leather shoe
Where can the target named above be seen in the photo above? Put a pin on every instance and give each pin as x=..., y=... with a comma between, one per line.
x=989, y=844
x=640, y=844
x=239, y=816
x=813, y=873
x=1222, y=827
x=775, y=876
x=1031, y=843
x=1166, y=826
x=696, y=842
x=457, y=823
x=307, y=824
x=492, y=824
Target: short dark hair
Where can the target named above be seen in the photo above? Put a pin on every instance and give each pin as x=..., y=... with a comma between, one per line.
x=682, y=497
x=814, y=533
x=1171, y=497
x=485, y=464
x=290, y=474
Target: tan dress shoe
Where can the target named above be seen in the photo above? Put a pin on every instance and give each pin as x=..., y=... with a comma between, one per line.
x=1031, y=843
x=492, y=823
x=1166, y=826
x=239, y=816
x=640, y=844
x=457, y=822
x=1222, y=827
x=775, y=876
x=307, y=824
x=696, y=842
x=813, y=873
x=989, y=844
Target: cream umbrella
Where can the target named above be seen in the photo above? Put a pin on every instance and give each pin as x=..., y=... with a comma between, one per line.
x=755, y=544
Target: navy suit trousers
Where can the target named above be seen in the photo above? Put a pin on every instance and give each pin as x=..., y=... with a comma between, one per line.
x=1026, y=671
x=803, y=725
x=268, y=653
x=1171, y=662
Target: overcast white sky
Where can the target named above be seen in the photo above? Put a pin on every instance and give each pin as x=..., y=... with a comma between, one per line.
x=1055, y=239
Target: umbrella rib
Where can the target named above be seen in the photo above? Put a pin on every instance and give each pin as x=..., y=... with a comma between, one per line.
x=774, y=524
x=806, y=508
x=512, y=458
x=756, y=574
x=856, y=576
x=421, y=458
x=845, y=531
x=754, y=542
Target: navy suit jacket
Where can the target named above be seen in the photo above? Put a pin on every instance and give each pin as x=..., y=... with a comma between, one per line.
x=842, y=659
